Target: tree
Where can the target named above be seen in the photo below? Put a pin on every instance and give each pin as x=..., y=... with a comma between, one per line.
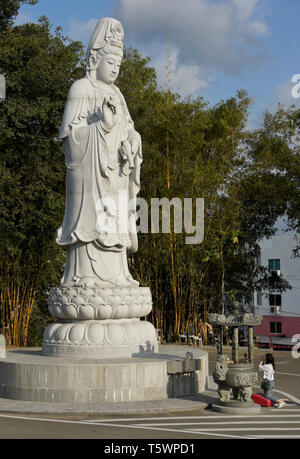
x=9, y=10
x=193, y=150
x=39, y=66
x=275, y=156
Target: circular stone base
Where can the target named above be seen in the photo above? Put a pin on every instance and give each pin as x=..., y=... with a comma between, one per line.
x=30, y=376
x=236, y=407
x=43, y=384
x=100, y=339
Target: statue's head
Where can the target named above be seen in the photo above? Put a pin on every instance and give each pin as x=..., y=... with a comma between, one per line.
x=105, y=50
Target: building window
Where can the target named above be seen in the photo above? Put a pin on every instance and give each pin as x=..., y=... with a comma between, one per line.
x=274, y=264
x=274, y=300
x=259, y=298
x=275, y=327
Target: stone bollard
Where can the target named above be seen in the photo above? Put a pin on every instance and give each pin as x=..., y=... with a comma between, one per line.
x=2, y=347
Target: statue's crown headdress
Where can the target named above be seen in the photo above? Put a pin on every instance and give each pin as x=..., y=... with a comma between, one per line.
x=107, y=37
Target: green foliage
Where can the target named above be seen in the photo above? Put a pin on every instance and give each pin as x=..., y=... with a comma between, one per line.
x=9, y=10
x=39, y=66
x=194, y=150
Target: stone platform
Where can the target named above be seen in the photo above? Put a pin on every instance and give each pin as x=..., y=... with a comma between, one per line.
x=27, y=375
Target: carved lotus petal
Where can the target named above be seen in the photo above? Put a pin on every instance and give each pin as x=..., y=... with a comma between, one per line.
x=52, y=297
x=145, y=309
x=95, y=334
x=104, y=312
x=127, y=300
x=92, y=299
x=135, y=310
x=131, y=333
x=71, y=311
x=57, y=311
x=60, y=333
x=113, y=300
x=78, y=300
x=106, y=292
x=97, y=301
x=146, y=331
x=76, y=334
x=64, y=300
x=84, y=291
x=121, y=311
x=50, y=331
x=86, y=312
x=116, y=334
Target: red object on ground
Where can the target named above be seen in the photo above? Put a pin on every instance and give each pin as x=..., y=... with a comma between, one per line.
x=261, y=400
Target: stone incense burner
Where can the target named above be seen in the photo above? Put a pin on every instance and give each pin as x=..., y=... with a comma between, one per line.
x=236, y=378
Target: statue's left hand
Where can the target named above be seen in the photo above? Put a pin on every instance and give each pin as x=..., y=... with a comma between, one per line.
x=135, y=140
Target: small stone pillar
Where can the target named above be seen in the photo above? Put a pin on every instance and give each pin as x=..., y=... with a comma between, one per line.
x=235, y=344
x=2, y=347
x=250, y=344
x=219, y=340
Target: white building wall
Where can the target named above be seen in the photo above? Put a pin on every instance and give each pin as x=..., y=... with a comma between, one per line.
x=281, y=247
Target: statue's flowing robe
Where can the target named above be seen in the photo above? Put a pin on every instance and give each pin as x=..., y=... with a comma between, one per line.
x=99, y=225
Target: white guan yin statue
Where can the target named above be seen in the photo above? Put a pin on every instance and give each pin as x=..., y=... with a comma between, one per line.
x=98, y=297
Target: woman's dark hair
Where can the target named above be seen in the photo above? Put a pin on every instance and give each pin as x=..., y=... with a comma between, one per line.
x=270, y=359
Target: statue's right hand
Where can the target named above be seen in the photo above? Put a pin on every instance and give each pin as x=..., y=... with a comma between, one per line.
x=109, y=117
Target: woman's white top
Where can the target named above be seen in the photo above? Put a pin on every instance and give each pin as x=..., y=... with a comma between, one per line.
x=268, y=370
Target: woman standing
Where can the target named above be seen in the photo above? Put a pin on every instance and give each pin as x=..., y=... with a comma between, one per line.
x=268, y=369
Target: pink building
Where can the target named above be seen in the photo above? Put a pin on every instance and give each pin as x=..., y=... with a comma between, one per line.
x=280, y=311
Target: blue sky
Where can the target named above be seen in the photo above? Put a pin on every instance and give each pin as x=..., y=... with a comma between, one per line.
x=217, y=46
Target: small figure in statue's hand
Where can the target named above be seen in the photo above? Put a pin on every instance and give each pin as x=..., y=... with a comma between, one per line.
x=129, y=148
x=126, y=153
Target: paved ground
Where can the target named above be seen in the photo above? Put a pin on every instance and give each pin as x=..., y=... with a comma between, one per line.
x=272, y=423
x=186, y=419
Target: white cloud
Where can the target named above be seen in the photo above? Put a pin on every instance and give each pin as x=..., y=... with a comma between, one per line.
x=259, y=28
x=207, y=36
x=183, y=78
x=245, y=8
x=81, y=30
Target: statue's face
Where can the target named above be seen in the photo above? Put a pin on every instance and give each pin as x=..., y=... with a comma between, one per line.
x=109, y=68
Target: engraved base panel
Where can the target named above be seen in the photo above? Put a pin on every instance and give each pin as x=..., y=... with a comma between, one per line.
x=119, y=338
x=81, y=303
